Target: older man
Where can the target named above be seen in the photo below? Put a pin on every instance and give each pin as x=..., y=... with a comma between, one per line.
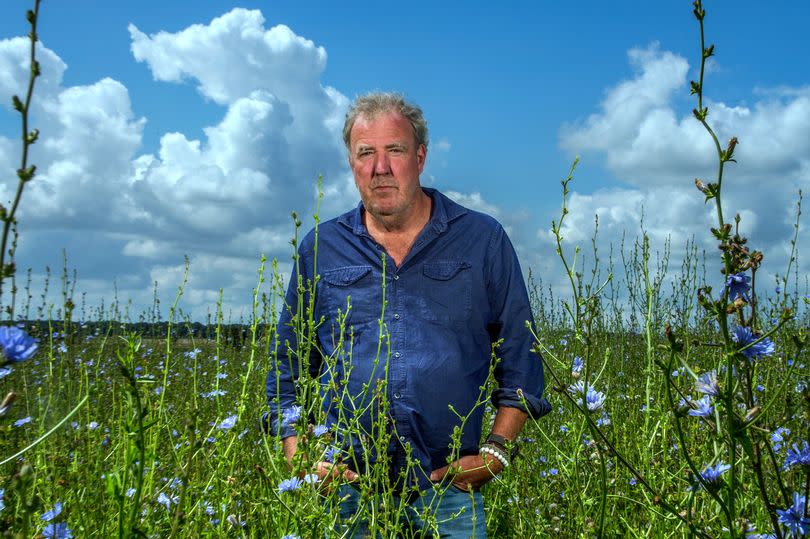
x=413, y=291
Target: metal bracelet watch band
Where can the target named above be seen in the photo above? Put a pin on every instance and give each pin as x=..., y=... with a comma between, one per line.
x=499, y=441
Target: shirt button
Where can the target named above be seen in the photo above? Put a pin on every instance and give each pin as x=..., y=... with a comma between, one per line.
x=401, y=438
x=396, y=277
x=396, y=316
x=397, y=354
x=397, y=396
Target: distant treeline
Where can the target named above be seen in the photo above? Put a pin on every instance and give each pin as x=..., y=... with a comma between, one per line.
x=233, y=334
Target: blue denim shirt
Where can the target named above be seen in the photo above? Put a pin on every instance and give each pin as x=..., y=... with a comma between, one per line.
x=457, y=291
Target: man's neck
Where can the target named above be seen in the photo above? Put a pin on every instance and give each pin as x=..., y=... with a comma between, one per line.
x=398, y=233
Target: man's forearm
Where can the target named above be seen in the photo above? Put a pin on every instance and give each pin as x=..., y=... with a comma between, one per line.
x=509, y=422
x=289, y=444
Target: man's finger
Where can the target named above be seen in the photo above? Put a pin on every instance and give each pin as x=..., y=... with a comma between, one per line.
x=438, y=474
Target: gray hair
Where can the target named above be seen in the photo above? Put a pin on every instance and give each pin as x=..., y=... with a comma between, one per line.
x=375, y=103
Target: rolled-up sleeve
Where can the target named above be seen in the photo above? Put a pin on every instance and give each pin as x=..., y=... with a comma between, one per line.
x=520, y=371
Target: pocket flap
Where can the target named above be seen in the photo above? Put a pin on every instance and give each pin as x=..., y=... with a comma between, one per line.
x=445, y=270
x=345, y=276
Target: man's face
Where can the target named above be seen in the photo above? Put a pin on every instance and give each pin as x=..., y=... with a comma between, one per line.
x=386, y=162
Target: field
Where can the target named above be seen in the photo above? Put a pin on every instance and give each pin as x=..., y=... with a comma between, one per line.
x=681, y=408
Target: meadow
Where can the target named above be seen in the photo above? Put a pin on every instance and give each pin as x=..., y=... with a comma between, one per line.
x=681, y=405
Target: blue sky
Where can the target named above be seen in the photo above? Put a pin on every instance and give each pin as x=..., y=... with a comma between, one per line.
x=200, y=142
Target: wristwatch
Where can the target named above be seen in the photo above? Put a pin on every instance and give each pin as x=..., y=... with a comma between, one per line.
x=499, y=441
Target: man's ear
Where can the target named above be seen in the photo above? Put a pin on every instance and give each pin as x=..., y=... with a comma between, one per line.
x=421, y=156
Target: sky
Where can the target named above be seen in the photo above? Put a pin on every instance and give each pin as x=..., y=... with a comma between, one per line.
x=177, y=129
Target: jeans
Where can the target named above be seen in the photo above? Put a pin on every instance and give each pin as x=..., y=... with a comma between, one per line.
x=458, y=515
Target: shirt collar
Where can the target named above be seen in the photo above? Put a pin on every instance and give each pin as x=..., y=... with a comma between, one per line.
x=444, y=211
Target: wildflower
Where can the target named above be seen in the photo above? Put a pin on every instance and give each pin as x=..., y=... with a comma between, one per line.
x=228, y=422
x=319, y=430
x=166, y=501
x=553, y=471
x=214, y=393
x=290, y=415
x=797, y=457
x=743, y=336
x=778, y=437
x=577, y=366
x=289, y=485
x=591, y=399
x=711, y=474
x=62, y=348
x=47, y=516
x=23, y=421
x=192, y=354
x=17, y=344
x=707, y=384
x=311, y=479
x=291, y=536
x=222, y=375
x=793, y=517
x=563, y=342
x=702, y=407
x=130, y=492
x=738, y=286
x=603, y=421
x=633, y=481
x=235, y=521
x=5, y=371
x=563, y=429
x=330, y=454
x=57, y=530
x=93, y=425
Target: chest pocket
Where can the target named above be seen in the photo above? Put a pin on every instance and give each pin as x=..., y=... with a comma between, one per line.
x=448, y=290
x=352, y=290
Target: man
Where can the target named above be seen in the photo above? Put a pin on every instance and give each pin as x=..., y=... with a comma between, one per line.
x=446, y=284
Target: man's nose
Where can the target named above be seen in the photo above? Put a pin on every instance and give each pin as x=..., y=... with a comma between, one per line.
x=382, y=164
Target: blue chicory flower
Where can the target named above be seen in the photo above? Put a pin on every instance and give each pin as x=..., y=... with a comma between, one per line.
x=290, y=416
x=577, y=366
x=711, y=475
x=319, y=430
x=330, y=454
x=227, y=423
x=797, y=456
x=47, y=516
x=707, y=384
x=23, y=421
x=701, y=407
x=778, y=437
x=166, y=501
x=58, y=530
x=793, y=517
x=738, y=286
x=17, y=345
x=290, y=485
x=591, y=399
x=743, y=336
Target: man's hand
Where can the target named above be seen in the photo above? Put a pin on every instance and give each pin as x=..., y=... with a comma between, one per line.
x=326, y=471
x=469, y=473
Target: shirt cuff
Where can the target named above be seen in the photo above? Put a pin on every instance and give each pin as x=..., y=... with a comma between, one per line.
x=536, y=407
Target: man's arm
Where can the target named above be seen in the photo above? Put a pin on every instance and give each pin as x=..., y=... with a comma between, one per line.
x=474, y=471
